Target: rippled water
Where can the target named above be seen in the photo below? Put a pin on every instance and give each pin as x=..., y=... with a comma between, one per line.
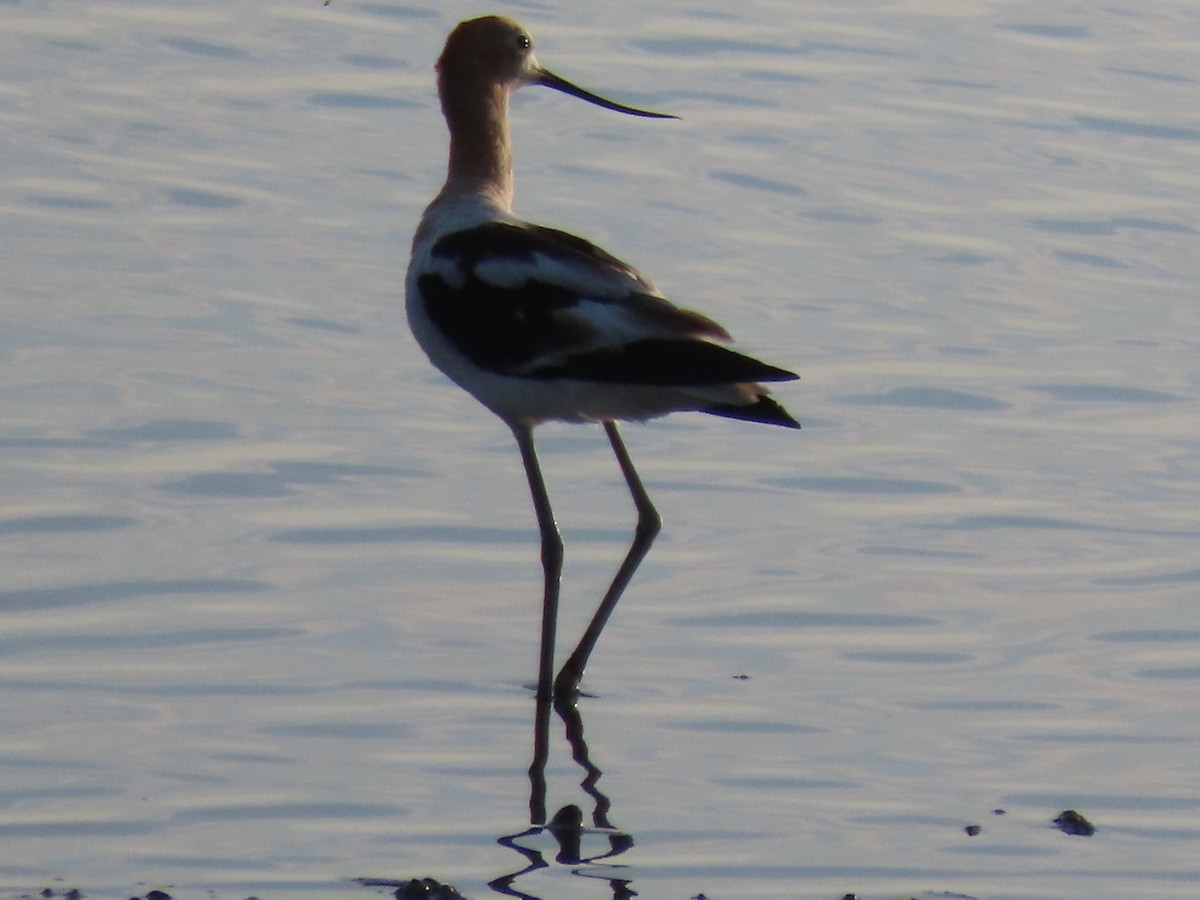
x=270, y=608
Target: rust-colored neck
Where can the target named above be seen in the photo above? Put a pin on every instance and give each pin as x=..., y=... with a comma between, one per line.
x=480, y=151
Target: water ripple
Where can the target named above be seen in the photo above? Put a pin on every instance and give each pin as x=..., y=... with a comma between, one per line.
x=927, y=398
x=864, y=485
x=108, y=592
x=790, y=619
x=64, y=524
x=1128, y=128
x=1104, y=393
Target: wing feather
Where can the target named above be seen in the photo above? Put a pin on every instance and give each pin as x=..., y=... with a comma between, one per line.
x=525, y=299
x=664, y=363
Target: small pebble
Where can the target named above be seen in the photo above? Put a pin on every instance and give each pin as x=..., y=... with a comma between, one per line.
x=1071, y=822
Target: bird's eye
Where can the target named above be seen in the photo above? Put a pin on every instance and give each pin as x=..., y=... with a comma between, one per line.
x=524, y=42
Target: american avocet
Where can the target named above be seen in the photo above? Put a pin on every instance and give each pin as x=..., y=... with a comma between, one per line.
x=541, y=325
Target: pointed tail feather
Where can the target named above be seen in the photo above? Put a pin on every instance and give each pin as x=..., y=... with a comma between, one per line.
x=764, y=410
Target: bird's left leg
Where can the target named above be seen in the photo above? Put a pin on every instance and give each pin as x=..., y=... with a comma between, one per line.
x=552, y=556
x=649, y=523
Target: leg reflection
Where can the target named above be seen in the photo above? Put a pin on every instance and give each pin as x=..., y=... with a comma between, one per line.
x=566, y=827
x=541, y=752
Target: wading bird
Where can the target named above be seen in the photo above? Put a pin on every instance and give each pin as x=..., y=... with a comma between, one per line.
x=541, y=325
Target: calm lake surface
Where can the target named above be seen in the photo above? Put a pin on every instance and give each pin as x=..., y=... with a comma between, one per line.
x=271, y=591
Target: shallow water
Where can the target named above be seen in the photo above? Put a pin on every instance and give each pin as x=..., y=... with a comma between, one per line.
x=270, y=613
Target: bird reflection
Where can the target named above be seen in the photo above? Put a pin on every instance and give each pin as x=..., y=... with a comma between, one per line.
x=566, y=827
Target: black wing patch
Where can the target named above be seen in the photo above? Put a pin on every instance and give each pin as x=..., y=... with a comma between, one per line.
x=509, y=329
x=502, y=329
x=664, y=362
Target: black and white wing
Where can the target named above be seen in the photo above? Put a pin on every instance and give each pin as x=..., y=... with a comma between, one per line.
x=534, y=302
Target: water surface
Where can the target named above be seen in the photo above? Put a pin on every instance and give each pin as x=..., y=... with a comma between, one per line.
x=270, y=608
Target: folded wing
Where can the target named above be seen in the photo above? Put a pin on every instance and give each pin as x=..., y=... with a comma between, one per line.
x=535, y=302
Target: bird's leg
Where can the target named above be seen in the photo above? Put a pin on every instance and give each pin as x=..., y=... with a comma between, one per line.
x=566, y=686
x=552, y=558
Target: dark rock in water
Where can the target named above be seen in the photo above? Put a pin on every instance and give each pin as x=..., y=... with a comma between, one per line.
x=427, y=889
x=973, y=830
x=1071, y=822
